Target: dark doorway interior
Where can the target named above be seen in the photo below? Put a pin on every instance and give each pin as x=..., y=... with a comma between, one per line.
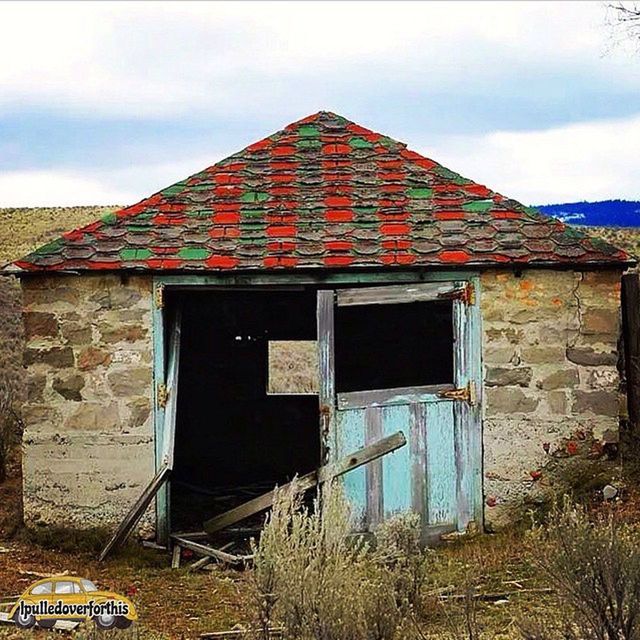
x=233, y=439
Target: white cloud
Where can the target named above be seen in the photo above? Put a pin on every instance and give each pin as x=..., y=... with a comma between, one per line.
x=586, y=161
x=57, y=189
x=144, y=58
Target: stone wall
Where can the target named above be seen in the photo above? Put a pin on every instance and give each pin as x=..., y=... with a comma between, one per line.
x=549, y=351
x=88, y=446
x=551, y=381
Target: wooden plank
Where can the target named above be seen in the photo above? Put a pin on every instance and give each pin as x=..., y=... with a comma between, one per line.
x=206, y=550
x=395, y=294
x=328, y=472
x=159, y=372
x=175, y=557
x=205, y=560
x=373, y=425
x=322, y=277
x=326, y=369
x=171, y=409
x=396, y=468
x=418, y=434
x=274, y=632
x=135, y=513
x=631, y=338
x=388, y=397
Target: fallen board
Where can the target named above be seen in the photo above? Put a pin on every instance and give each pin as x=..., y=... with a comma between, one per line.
x=206, y=550
x=135, y=513
x=328, y=472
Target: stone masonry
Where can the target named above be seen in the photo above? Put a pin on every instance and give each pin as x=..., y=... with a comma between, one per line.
x=551, y=381
x=88, y=445
x=551, y=388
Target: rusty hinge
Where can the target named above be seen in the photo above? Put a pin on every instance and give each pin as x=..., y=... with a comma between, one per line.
x=467, y=294
x=162, y=395
x=466, y=394
x=158, y=296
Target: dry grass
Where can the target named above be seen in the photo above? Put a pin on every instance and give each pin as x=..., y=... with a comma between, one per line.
x=23, y=230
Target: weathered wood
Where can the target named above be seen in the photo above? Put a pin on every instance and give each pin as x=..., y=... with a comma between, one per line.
x=326, y=369
x=175, y=557
x=324, y=474
x=388, y=397
x=394, y=294
x=375, y=506
x=206, y=550
x=274, y=632
x=171, y=409
x=631, y=338
x=205, y=560
x=135, y=513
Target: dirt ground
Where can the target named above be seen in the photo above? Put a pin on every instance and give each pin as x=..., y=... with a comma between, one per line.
x=178, y=604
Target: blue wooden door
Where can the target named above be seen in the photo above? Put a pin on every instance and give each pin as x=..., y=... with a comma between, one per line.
x=404, y=358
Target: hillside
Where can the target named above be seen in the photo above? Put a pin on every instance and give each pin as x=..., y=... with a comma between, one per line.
x=23, y=230
x=608, y=213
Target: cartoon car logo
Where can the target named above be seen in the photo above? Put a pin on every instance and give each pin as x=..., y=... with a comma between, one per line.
x=71, y=598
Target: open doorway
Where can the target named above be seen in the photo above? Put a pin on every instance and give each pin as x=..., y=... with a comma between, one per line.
x=247, y=413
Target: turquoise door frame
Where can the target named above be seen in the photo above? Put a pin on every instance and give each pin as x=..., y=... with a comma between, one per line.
x=468, y=423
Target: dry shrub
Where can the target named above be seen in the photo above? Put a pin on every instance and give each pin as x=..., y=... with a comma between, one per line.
x=11, y=425
x=318, y=582
x=595, y=568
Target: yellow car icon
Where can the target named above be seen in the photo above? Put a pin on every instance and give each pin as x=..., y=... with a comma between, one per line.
x=71, y=598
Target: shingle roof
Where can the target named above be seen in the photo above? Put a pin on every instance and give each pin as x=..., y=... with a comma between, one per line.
x=323, y=192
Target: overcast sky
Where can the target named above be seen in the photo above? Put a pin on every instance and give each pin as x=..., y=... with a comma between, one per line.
x=106, y=103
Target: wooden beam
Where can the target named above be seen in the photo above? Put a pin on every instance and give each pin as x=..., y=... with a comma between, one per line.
x=631, y=339
x=328, y=472
x=395, y=294
x=175, y=556
x=274, y=632
x=135, y=513
x=206, y=550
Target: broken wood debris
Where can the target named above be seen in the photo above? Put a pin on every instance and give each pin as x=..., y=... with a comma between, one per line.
x=274, y=632
x=135, y=513
x=206, y=550
x=308, y=481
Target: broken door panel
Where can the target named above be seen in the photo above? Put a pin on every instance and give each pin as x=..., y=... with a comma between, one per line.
x=425, y=329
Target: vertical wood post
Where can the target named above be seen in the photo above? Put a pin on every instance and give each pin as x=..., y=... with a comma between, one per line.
x=631, y=338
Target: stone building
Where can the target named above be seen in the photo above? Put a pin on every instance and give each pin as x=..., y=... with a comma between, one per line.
x=310, y=294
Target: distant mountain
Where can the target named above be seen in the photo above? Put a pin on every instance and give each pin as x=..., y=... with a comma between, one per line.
x=609, y=213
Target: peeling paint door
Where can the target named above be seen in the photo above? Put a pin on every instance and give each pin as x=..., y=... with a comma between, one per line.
x=404, y=358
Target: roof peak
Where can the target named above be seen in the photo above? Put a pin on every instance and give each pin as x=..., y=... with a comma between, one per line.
x=322, y=192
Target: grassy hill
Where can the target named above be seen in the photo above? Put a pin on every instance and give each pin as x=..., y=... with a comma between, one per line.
x=23, y=230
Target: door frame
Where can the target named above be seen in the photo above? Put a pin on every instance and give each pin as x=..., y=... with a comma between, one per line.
x=470, y=452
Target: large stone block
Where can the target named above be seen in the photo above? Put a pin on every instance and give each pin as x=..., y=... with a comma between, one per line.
x=509, y=400
x=606, y=321
x=39, y=324
x=561, y=379
x=69, y=384
x=589, y=357
x=504, y=377
x=603, y=403
x=130, y=382
x=56, y=357
x=94, y=416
